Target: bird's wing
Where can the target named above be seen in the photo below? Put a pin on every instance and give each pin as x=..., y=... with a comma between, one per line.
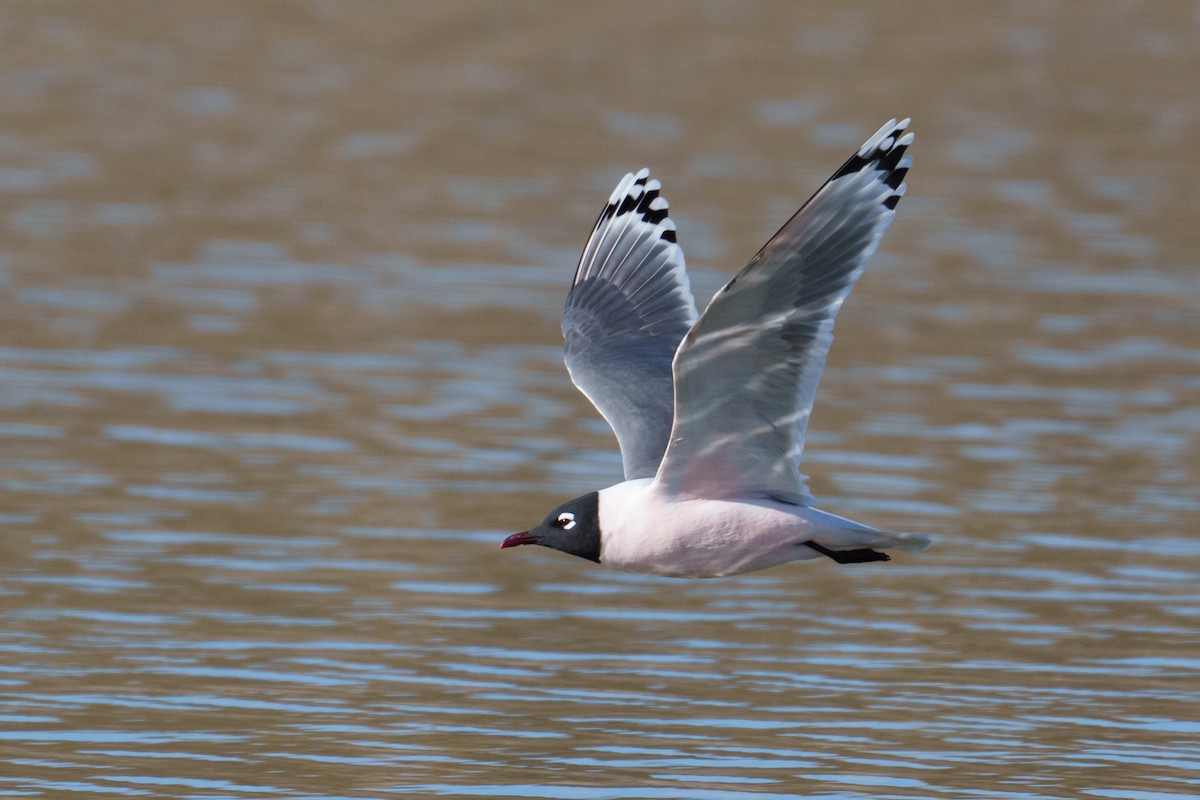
x=629, y=307
x=746, y=374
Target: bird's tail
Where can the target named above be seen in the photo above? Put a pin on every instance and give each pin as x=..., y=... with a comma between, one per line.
x=853, y=540
x=908, y=542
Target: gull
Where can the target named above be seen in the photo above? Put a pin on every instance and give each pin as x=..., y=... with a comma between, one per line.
x=710, y=410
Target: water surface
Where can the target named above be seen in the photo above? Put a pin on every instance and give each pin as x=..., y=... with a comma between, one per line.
x=279, y=367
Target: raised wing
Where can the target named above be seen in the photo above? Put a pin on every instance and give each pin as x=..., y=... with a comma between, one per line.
x=747, y=372
x=628, y=309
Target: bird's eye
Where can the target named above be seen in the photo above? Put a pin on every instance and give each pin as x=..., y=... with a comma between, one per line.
x=566, y=520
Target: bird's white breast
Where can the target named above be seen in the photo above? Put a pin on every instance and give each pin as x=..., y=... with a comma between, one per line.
x=642, y=529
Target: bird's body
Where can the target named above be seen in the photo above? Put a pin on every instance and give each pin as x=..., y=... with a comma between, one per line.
x=651, y=531
x=711, y=410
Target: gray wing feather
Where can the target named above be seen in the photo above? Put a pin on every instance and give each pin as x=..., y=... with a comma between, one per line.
x=747, y=373
x=629, y=307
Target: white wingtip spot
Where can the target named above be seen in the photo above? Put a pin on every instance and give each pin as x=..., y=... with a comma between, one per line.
x=622, y=188
x=874, y=141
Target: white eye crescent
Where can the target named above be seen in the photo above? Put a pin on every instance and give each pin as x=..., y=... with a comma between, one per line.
x=566, y=520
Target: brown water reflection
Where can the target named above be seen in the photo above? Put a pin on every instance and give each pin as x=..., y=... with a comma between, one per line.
x=279, y=363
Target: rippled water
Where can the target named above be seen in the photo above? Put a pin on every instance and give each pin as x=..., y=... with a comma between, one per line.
x=279, y=366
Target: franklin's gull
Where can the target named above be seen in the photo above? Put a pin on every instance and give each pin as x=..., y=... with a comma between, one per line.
x=710, y=410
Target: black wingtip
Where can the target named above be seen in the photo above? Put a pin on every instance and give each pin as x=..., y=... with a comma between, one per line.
x=644, y=198
x=862, y=555
x=883, y=152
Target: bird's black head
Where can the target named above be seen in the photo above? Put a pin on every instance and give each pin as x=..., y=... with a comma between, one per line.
x=573, y=527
